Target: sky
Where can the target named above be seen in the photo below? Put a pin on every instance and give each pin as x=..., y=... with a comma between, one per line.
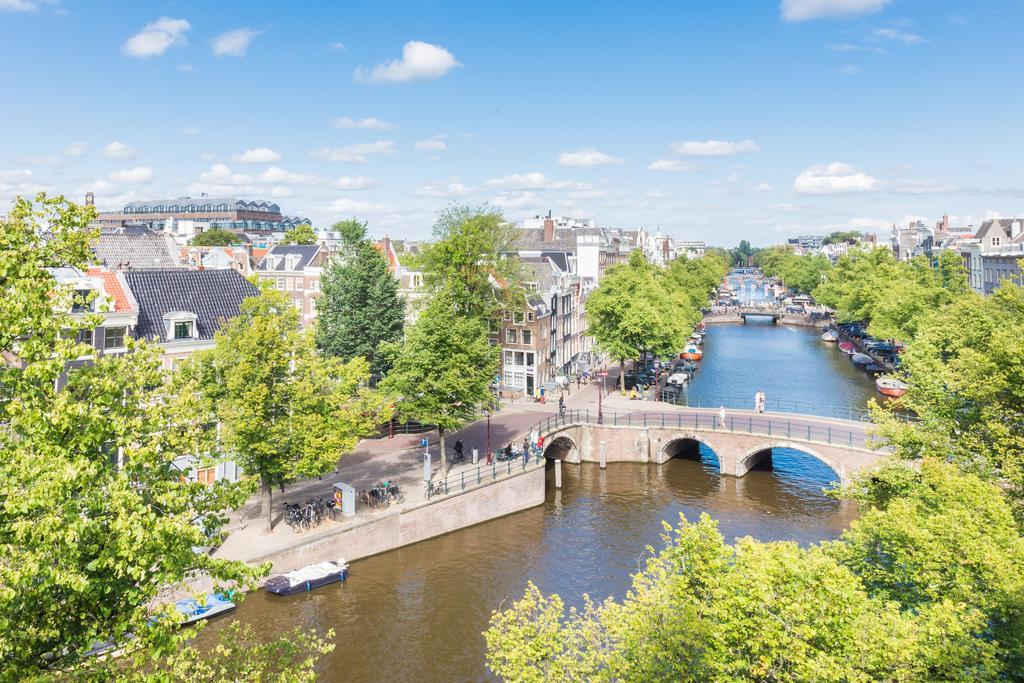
x=718, y=121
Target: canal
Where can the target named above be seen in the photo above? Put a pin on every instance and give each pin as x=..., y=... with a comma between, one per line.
x=417, y=613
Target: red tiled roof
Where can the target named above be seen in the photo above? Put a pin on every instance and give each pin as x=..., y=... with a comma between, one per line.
x=258, y=253
x=113, y=288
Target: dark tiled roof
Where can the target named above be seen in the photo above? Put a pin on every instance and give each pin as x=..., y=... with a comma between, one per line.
x=213, y=295
x=134, y=250
x=306, y=253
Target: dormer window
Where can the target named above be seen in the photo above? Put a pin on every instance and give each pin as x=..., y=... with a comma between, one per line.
x=183, y=330
x=82, y=301
x=180, y=326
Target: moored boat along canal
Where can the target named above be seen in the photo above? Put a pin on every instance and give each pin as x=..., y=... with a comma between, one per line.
x=417, y=613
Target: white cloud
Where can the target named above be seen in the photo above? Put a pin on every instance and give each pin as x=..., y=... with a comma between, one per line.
x=206, y=156
x=353, y=183
x=654, y=194
x=278, y=176
x=338, y=46
x=369, y=123
x=257, y=155
x=219, y=174
x=849, y=47
x=233, y=43
x=516, y=200
x=535, y=181
x=118, y=150
x=75, y=149
x=189, y=130
x=587, y=157
x=419, y=61
x=354, y=206
x=670, y=166
x=155, y=38
x=186, y=68
x=434, y=144
x=897, y=36
x=452, y=188
x=848, y=70
x=595, y=193
x=762, y=187
x=132, y=176
x=922, y=187
x=16, y=176
x=22, y=5
x=279, y=191
x=802, y=10
x=713, y=148
x=834, y=178
x=356, y=154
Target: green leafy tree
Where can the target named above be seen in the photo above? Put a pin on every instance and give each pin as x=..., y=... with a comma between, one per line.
x=883, y=603
x=441, y=373
x=216, y=237
x=287, y=411
x=848, y=236
x=472, y=259
x=359, y=307
x=97, y=522
x=632, y=311
x=300, y=234
x=352, y=231
x=799, y=272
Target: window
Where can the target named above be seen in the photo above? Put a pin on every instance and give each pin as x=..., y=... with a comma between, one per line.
x=114, y=338
x=81, y=301
x=506, y=315
x=511, y=337
x=288, y=284
x=508, y=378
x=520, y=360
x=298, y=284
x=519, y=380
x=206, y=475
x=280, y=284
x=530, y=317
x=298, y=304
x=530, y=360
x=183, y=330
x=517, y=318
x=527, y=337
x=995, y=241
x=84, y=337
x=508, y=358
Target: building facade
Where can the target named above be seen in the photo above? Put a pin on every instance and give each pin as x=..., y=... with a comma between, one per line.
x=201, y=213
x=295, y=269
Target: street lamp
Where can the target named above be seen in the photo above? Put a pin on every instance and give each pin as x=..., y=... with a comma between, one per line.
x=600, y=415
x=488, y=435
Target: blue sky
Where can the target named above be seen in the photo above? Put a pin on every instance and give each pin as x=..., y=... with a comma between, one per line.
x=718, y=121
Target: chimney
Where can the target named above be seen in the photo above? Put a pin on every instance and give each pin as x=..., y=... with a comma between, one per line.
x=549, y=229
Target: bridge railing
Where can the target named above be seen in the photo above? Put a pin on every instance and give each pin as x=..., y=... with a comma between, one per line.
x=783, y=427
x=777, y=405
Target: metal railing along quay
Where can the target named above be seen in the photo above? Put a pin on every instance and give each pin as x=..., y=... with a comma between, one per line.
x=777, y=405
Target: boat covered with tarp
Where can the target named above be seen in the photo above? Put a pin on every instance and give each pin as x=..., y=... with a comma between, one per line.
x=306, y=579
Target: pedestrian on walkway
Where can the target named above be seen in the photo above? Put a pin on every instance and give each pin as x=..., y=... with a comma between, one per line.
x=526, y=446
x=721, y=417
x=577, y=382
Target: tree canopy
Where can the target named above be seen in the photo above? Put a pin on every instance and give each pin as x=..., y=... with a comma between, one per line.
x=800, y=272
x=216, y=237
x=883, y=603
x=441, y=373
x=848, y=236
x=360, y=307
x=300, y=234
x=287, y=412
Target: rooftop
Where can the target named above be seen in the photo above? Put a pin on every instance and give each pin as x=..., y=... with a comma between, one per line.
x=135, y=251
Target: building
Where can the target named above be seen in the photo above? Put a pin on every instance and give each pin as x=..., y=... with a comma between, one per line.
x=217, y=258
x=691, y=248
x=196, y=214
x=103, y=292
x=135, y=248
x=808, y=242
x=659, y=249
x=296, y=270
x=180, y=310
x=994, y=254
x=410, y=280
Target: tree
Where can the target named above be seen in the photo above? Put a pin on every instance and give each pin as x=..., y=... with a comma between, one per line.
x=360, y=307
x=472, y=259
x=848, y=236
x=287, y=412
x=883, y=603
x=97, y=521
x=441, y=373
x=352, y=231
x=216, y=237
x=801, y=273
x=631, y=311
x=300, y=234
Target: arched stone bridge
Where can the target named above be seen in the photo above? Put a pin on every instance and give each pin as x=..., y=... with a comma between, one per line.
x=740, y=442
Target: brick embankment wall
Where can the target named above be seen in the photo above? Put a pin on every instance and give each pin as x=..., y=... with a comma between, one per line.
x=441, y=515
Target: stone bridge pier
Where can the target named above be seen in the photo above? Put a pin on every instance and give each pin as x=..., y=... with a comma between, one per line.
x=737, y=452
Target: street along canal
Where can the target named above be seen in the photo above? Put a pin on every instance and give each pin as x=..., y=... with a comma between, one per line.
x=417, y=613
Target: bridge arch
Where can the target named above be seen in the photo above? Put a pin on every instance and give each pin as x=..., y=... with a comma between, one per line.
x=687, y=445
x=561, y=448
x=753, y=456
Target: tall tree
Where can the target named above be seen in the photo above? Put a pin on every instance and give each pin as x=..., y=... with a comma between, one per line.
x=360, y=307
x=631, y=311
x=473, y=260
x=300, y=234
x=441, y=373
x=287, y=412
x=352, y=231
x=216, y=237
x=96, y=520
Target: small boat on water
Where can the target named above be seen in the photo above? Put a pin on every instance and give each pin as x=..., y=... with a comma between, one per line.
x=861, y=359
x=212, y=605
x=890, y=386
x=306, y=579
x=847, y=347
x=874, y=367
x=691, y=352
x=829, y=336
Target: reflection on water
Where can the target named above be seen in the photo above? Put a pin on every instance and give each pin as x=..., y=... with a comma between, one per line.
x=416, y=614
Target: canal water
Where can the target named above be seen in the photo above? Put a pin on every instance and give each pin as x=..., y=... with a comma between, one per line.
x=417, y=613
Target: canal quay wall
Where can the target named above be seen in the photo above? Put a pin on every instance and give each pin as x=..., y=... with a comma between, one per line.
x=793, y=320
x=439, y=515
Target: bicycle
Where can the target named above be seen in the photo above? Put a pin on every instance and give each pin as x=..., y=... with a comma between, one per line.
x=437, y=488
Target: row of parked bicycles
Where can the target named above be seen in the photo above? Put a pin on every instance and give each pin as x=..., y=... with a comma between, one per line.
x=382, y=495
x=315, y=511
